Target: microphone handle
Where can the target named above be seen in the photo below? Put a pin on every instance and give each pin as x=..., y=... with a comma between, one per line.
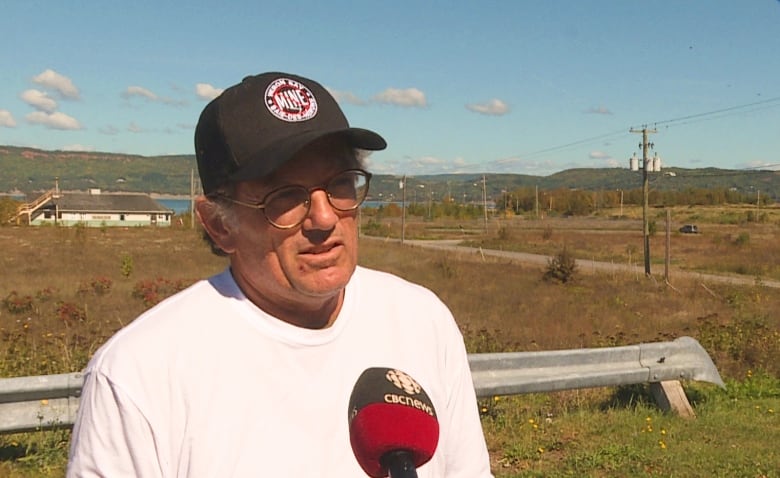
x=399, y=464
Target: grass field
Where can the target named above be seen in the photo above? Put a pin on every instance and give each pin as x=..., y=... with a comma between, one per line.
x=64, y=291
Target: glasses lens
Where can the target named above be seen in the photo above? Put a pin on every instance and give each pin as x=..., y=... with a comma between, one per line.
x=287, y=206
x=348, y=190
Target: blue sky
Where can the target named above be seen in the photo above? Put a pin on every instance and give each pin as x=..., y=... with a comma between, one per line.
x=530, y=87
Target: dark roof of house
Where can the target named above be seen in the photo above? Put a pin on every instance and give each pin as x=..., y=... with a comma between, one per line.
x=108, y=202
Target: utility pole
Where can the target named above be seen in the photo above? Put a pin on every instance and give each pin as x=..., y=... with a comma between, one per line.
x=668, y=254
x=192, y=199
x=536, y=201
x=484, y=201
x=403, y=209
x=646, y=146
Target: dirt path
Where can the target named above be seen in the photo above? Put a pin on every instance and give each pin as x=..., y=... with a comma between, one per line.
x=586, y=266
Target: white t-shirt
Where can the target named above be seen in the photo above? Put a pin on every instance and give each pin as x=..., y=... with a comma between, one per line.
x=205, y=384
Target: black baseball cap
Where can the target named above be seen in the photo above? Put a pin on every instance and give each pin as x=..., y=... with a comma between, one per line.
x=254, y=127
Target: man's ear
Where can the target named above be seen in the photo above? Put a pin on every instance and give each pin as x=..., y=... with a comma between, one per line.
x=222, y=232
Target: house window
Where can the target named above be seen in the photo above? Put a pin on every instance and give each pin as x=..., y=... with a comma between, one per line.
x=121, y=217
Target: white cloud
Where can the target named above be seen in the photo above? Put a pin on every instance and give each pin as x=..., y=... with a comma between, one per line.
x=206, y=91
x=598, y=111
x=78, y=147
x=494, y=107
x=109, y=130
x=598, y=155
x=418, y=166
x=516, y=164
x=40, y=100
x=753, y=164
x=133, y=91
x=55, y=81
x=134, y=128
x=7, y=119
x=346, y=97
x=410, y=97
x=55, y=120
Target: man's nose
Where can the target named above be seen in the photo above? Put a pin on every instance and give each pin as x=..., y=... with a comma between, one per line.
x=321, y=214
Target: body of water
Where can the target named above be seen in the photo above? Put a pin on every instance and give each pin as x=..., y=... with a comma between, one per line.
x=179, y=206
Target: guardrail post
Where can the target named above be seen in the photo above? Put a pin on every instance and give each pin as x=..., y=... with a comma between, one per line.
x=670, y=396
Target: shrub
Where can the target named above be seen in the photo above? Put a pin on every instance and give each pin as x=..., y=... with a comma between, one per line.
x=126, y=268
x=45, y=294
x=97, y=286
x=376, y=228
x=742, y=239
x=18, y=304
x=70, y=313
x=652, y=228
x=153, y=291
x=561, y=268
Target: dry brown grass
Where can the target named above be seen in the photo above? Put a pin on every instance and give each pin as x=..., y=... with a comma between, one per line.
x=508, y=306
x=54, y=276
x=728, y=244
x=500, y=305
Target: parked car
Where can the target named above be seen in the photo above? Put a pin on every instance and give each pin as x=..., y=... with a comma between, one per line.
x=689, y=229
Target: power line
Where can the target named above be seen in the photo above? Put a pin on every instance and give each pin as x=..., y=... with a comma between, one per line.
x=682, y=120
x=775, y=99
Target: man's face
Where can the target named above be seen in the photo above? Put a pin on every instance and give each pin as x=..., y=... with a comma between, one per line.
x=304, y=268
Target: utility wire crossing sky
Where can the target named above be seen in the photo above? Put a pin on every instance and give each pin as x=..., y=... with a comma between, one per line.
x=472, y=87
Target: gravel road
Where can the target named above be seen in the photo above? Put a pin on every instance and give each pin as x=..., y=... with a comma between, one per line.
x=585, y=266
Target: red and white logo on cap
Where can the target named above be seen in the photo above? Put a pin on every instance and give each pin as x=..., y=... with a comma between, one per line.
x=290, y=101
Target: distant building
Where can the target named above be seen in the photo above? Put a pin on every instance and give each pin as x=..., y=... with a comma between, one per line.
x=95, y=209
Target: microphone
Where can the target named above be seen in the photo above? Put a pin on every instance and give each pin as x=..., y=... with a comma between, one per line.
x=392, y=424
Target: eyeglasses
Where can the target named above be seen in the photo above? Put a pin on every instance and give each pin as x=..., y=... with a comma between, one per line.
x=288, y=206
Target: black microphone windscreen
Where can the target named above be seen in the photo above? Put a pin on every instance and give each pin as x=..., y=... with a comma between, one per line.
x=389, y=411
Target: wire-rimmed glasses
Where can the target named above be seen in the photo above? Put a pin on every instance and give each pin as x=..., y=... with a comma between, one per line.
x=287, y=207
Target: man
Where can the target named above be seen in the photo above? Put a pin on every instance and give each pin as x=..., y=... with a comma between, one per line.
x=250, y=372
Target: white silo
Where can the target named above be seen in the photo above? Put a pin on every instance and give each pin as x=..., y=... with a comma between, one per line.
x=633, y=163
x=656, y=163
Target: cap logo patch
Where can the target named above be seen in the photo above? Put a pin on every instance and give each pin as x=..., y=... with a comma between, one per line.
x=290, y=101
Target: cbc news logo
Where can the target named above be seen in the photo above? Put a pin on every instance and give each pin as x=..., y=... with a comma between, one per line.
x=403, y=381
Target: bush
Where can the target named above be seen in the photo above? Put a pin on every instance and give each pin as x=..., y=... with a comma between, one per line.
x=561, y=268
x=126, y=268
x=97, y=286
x=376, y=228
x=17, y=303
x=70, y=313
x=152, y=292
x=742, y=239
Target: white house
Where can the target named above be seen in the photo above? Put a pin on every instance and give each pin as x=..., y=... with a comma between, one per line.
x=96, y=209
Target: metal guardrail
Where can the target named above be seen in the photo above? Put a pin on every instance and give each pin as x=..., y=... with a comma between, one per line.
x=529, y=372
x=39, y=402
x=51, y=401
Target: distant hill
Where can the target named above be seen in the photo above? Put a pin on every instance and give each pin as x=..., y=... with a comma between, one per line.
x=27, y=170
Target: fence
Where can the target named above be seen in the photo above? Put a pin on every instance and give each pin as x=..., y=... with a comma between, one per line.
x=50, y=401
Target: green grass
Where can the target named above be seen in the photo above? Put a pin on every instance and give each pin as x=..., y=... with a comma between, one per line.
x=595, y=433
